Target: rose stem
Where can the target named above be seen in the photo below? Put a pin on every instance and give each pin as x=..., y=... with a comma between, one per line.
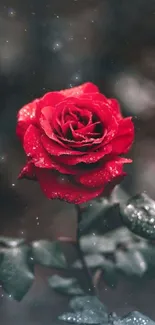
x=88, y=278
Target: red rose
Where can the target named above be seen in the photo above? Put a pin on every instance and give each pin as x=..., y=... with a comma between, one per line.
x=73, y=140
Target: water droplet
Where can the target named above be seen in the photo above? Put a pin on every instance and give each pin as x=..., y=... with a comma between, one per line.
x=11, y=12
x=70, y=38
x=56, y=46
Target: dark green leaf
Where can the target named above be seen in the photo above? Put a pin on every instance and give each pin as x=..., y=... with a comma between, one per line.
x=110, y=274
x=49, y=254
x=139, y=216
x=93, y=211
x=11, y=242
x=148, y=253
x=98, y=261
x=16, y=271
x=120, y=236
x=86, y=302
x=134, y=318
x=130, y=262
x=112, y=317
x=81, y=317
x=93, y=261
x=88, y=310
x=95, y=244
x=67, y=286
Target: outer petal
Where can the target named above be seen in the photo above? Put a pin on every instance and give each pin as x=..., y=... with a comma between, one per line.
x=52, y=98
x=110, y=186
x=96, y=96
x=25, y=117
x=124, y=138
x=34, y=149
x=103, y=174
x=45, y=124
x=28, y=171
x=115, y=107
x=78, y=91
x=54, y=188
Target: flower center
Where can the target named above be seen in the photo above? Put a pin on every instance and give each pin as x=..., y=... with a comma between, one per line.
x=80, y=123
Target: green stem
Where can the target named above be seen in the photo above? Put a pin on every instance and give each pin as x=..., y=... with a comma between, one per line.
x=88, y=278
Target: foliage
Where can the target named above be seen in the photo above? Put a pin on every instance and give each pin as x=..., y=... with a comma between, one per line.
x=86, y=310
x=139, y=216
x=17, y=261
x=89, y=310
x=68, y=286
x=109, y=252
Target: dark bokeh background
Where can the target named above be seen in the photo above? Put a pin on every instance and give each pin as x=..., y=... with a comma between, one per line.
x=49, y=45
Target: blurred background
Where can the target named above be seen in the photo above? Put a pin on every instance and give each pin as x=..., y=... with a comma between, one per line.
x=51, y=45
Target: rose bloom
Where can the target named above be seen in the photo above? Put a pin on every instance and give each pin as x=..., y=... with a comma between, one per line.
x=73, y=140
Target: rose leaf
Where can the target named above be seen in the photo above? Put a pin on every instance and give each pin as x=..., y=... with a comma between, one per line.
x=16, y=271
x=131, y=262
x=11, y=242
x=49, y=254
x=87, y=310
x=91, y=213
x=67, y=286
x=139, y=215
x=110, y=274
x=93, y=261
x=96, y=244
x=134, y=318
x=148, y=253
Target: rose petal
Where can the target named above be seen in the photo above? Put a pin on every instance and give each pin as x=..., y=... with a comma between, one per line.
x=46, y=120
x=28, y=171
x=46, y=111
x=49, y=100
x=124, y=138
x=104, y=174
x=47, y=128
x=115, y=108
x=34, y=149
x=55, y=149
x=95, y=97
x=77, y=145
x=87, y=87
x=102, y=112
x=85, y=130
x=25, y=117
x=52, y=98
x=87, y=157
x=110, y=186
x=55, y=186
x=77, y=136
